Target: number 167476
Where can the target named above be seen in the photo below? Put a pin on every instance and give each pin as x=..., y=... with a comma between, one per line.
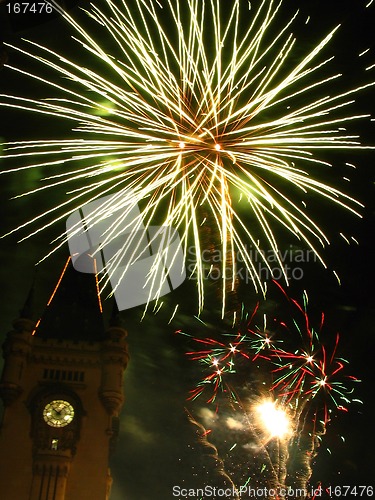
x=29, y=7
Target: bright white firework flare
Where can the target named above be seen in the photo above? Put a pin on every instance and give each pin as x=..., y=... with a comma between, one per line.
x=193, y=114
x=273, y=419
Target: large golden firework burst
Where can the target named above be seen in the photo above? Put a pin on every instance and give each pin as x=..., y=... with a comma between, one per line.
x=180, y=108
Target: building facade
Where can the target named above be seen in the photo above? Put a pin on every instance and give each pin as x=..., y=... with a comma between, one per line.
x=62, y=389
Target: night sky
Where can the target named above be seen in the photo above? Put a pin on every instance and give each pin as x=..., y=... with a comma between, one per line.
x=157, y=444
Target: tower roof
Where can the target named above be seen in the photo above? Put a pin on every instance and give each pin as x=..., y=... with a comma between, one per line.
x=74, y=310
x=27, y=310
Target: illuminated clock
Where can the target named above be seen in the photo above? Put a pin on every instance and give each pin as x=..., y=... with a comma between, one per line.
x=58, y=413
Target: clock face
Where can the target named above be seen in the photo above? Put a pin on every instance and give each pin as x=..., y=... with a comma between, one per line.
x=58, y=413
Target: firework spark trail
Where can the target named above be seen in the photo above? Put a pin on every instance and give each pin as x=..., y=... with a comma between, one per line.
x=312, y=369
x=304, y=369
x=179, y=117
x=219, y=359
x=283, y=365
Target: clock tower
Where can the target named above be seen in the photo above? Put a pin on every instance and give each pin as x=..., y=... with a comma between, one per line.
x=62, y=389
